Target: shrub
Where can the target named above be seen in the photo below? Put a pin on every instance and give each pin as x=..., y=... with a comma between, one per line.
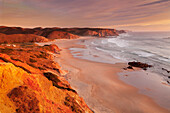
x=16, y=59
x=67, y=103
x=32, y=65
x=42, y=55
x=6, y=50
x=32, y=60
x=41, y=68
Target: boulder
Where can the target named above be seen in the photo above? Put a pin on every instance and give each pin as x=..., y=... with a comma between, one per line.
x=140, y=65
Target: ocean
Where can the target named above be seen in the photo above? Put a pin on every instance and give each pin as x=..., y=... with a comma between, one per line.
x=152, y=48
x=148, y=47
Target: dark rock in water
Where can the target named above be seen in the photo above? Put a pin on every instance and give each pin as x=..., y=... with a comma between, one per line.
x=145, y=69
x=129, y=67
x=166, y=70
x=144, y=66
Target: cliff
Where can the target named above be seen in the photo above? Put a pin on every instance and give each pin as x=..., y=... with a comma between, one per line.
x=31, y=82
x=61, y=33
x=99, y=32
x=22, y=92
x=49, y=33
x=18, y=38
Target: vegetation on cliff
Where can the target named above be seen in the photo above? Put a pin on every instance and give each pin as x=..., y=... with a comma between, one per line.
x=31, y=82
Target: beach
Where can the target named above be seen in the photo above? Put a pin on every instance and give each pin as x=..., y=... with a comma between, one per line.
x=85, y=56
x=100, y=86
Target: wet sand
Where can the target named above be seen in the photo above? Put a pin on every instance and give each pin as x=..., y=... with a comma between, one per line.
x=100, y=86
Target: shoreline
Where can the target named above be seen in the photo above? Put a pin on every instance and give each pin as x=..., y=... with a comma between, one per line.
x=107, y=92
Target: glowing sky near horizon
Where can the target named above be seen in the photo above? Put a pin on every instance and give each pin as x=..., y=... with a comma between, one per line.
x=138, y=15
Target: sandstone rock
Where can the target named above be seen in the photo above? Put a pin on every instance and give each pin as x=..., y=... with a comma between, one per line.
x=25, y=93
x=90, y=33
x=58, y=81
x=24, y=99
x=53, y=48
x=24, y=66
x=61, y=35
x=18, y=38
x=63, y=72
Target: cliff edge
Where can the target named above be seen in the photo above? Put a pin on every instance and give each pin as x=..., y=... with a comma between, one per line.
x=31, y=82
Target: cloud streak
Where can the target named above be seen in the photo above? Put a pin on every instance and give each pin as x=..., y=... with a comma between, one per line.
x=82, y=13
x=155, y=2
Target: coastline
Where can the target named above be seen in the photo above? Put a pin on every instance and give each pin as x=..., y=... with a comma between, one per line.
x=100, y=86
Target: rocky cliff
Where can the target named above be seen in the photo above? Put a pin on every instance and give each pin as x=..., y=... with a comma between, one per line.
x=99, y=32
x=18, y=38
x=31, y=82
x=61, y=33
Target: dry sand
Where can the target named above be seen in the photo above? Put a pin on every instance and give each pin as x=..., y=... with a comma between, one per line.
x=99, y=85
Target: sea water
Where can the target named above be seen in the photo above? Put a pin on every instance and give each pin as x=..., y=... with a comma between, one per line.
x=148, y=47
x=152, y=48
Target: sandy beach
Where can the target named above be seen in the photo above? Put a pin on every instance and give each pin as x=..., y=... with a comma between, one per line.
x=99, y=85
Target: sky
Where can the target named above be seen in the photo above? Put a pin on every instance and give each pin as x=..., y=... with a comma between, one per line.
x=133, y=15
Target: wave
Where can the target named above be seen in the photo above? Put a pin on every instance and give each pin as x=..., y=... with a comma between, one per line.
x=143, y=54
x=119, y=42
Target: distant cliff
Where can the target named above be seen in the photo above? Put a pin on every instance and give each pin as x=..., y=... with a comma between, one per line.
x=99, y=32
x=57, y=33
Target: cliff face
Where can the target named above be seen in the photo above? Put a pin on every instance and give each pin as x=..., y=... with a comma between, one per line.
x=107, y=32
x=18, y=38
x=99, y=32
x=31, y=82
x=22, y=92
x=49, y=33
x=61, y=33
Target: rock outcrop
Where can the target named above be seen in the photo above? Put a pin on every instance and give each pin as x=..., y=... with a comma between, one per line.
x=61, y=33
x=24, y=66
x=31, y=82
x=99, y=32
x=19, y=38
x=31, y=57
x=144, y=66
x=22, y=92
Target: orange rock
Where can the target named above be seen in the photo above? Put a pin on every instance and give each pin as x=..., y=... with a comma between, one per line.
x=61, y=35
x=58, y=81
x=56, y=65
x=26, y=67
x=1, y=61
x=18, y=38
x=63, y=72
x=53, y=48
x=23, y=92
